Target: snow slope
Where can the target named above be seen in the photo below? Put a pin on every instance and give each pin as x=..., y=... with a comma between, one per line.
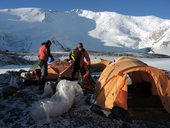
x=24, y=29
x=129, y=31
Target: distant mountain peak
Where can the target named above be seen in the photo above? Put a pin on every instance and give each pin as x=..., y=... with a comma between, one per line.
x=26, y=14
x=104, y=31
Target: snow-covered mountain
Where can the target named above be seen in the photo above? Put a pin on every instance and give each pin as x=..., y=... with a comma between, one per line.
x=24, y=29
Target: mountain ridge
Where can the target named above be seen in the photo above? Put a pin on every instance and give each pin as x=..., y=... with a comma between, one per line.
x=100, y=31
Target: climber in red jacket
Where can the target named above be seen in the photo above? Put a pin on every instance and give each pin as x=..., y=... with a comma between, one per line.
x=77, y=57
x=43, y=55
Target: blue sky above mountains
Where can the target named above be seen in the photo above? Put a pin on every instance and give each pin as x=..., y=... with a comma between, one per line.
x=158, y=8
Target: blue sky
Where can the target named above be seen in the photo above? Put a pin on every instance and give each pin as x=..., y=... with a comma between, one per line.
x=159, y=8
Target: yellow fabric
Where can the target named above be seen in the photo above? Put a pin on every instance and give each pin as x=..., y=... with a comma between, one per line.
x=113, y=81
x=73, y=55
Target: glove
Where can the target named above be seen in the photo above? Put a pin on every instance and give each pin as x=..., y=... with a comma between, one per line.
x=86, y=75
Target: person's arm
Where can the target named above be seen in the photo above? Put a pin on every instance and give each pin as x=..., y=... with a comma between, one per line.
x=88, y=65
x=87, y=73
x=70, y=55
x=49, y=54
x=87, y=58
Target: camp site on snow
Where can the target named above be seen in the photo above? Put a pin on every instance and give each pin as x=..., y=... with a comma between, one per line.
x=81, y=64
x=114, y=90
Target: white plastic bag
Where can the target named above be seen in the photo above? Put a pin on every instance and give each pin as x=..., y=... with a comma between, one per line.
x=59, y=103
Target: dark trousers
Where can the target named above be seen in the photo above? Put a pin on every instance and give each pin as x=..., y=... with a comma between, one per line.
x=75, y=69
x=44, y=72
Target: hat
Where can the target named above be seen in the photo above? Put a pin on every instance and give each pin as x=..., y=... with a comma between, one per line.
x=81, y=44
x=48, y=42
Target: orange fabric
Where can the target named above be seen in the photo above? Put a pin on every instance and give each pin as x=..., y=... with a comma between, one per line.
x=122, y=97
x=112, y=86
x=108, y=92
x=52, y=74
x=42, y=53
x=162, y=83
x=56, y=68
x=98, y=65
x=64, y=68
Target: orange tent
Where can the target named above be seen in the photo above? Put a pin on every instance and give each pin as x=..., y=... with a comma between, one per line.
x=59, y=68
x=112, y=85
x=63, y=68
x=98, y=65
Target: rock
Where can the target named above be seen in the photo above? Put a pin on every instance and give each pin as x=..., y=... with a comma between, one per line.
x=30, y=122
x=9, y=91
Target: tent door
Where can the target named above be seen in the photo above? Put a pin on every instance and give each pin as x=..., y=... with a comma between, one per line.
x=142, y=92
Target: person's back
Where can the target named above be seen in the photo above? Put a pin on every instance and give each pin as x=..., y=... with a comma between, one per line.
x=42, y=53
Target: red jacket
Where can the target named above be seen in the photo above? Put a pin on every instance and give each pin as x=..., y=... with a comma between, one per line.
x=43, y=53
x=73, y=57
x=86, y=56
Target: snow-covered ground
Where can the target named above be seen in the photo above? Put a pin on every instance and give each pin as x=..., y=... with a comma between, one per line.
x=15, y=110
x=31, y=58
x=161, y=63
